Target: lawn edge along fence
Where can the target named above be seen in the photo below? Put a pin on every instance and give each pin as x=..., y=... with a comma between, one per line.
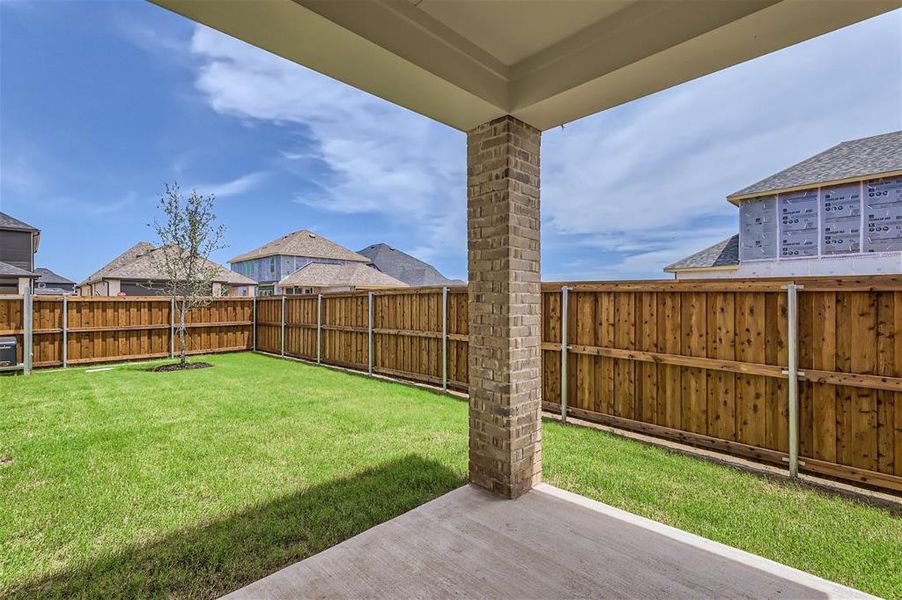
x=805, y=372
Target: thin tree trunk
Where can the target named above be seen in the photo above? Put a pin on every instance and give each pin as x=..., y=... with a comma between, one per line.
x=183, y=351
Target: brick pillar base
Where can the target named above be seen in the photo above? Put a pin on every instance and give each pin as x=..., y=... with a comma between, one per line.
x=504, y=294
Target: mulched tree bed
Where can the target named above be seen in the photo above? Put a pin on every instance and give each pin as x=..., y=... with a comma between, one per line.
x=180, y=367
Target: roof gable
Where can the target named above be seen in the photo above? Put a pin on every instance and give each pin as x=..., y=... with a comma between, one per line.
x=302, y=243
x=140, y=262
x=48, y=277
x=855, y=159
x=123, y=259
x=404, y=267
x=12, y=223
x=147, y=267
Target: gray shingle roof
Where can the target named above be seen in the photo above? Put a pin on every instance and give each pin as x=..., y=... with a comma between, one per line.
x=721, y=254
x=8, y=222
x=356, y=275
x=302, y=243
x=8, y=270
x=124, y=258
x=138, y=262
x=404, y=267
x=147, y=267
x=50, y=278
x=848, y=160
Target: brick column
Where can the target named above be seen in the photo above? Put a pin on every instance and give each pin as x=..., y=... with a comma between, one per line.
x=503, y=260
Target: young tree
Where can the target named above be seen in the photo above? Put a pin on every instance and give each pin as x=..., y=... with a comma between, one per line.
x=188, y=235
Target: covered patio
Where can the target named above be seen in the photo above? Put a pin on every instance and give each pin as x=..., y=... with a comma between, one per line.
x=548, y=544
x=503, y=72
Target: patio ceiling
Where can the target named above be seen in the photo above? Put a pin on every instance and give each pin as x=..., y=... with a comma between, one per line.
x=465, y=62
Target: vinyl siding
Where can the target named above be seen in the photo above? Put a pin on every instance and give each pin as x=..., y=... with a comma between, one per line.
x=16, y=249
x=272, y=269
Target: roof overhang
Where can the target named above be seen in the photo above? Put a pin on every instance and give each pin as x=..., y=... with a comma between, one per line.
x=465, y=62
x=737, y=198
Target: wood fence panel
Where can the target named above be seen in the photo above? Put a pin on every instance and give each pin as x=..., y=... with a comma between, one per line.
x=407, y=335
x=344, y=330
x=458, y=332
x=269, y=319
x=669, y=376
x=721, y=386
x=300, y=327
x=750, y=348
x=694, y=343
x=223, y=325
x=12, y=323
x=551, y=359
x=48, y=336
x=110, y=329
x=647, y=373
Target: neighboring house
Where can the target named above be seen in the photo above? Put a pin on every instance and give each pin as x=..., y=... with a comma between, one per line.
x=404, y=267
x=276, y=260
x=348, y=277
x=49, y=283
x=18, y=243
x=136, y=272
x=836, y=213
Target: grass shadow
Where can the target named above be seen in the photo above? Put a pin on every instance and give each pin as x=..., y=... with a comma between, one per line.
x=226, y=554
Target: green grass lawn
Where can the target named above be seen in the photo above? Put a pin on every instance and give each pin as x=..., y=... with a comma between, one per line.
x=130, y=483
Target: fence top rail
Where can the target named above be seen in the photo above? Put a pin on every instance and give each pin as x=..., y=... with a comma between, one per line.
x=162, y=299
x=847, y=283
x=576, y=287
x=432, y=289
x=426, y=290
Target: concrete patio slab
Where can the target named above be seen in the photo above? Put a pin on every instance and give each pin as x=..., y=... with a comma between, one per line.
x=549, y=543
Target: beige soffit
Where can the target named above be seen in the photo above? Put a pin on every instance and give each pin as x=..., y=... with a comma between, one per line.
x=465, y=62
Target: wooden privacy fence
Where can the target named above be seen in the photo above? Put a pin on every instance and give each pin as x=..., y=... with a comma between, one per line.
x=418, y=334
x=80, y=330
x=710, y=363
x=707, y=362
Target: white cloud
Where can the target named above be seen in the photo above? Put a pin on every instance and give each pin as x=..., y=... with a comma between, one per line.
x=234, y=187
x=643, y=176
x=381, y=158
x=633, y=188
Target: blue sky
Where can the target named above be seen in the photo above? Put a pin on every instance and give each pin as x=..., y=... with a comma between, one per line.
x=103, y=102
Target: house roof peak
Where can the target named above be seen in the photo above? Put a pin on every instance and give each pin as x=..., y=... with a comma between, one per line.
x=302, y=243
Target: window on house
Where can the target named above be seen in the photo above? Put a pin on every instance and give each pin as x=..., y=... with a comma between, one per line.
x=272, y=264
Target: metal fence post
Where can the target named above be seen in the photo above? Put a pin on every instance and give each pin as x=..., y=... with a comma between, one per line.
x=283, y=326
x=172, y=328
x=564, y=347
x=254, y=326
x=319, y=326
x=792, y=373
x=28, y=334
x=65, y=348
x=445, y=339
x=369, y=352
